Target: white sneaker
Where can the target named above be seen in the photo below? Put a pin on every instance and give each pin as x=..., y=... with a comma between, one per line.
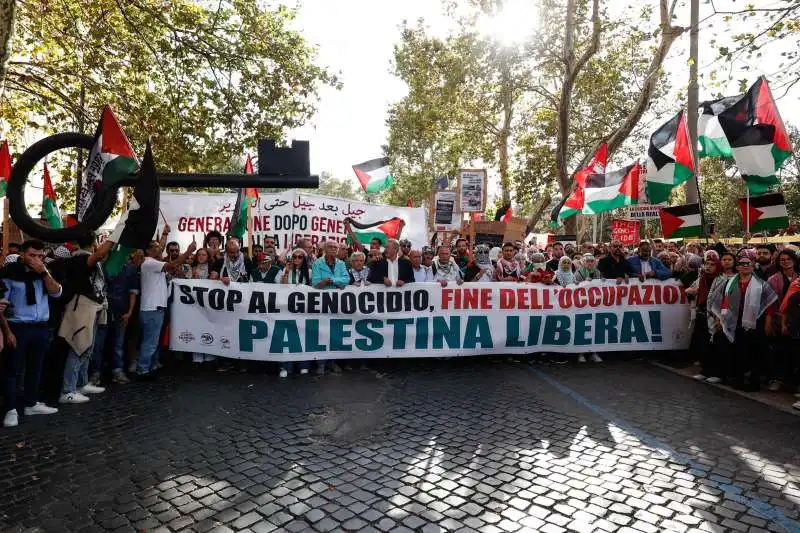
x=157, y=366
x=73, y=397
x=284, y=373
x=596, y=358
x=714, y=379
x=12, y=419
x=303, y=371
x=92, y=389
x=796, y=405
x=774, y=385
x=699, y=377
x=40, y=409
x=581, y=358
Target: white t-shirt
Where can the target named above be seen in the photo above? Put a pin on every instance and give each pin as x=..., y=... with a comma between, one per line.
x=154, y=285
x=391, y=270
x=645, y=267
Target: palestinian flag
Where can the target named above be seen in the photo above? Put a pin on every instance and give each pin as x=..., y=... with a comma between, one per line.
x=136, y=227
x=110, y=159
x=374, y=175
x=669, y=159
x=50, y=210
x=573, y=203
x=245, y=201
x=382, y=229
x=710, y=136
x=5, y=167
x=504, y=214
x=604, y=192
x=681, y=221
x=757, y=136
x=766, y=212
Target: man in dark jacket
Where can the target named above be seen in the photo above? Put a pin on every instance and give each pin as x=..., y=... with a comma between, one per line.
x=392, y=271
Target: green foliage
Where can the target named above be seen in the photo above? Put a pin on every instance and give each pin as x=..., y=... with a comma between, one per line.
x=204, y=80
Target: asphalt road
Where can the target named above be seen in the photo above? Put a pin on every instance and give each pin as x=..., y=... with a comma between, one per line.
x=452, y=445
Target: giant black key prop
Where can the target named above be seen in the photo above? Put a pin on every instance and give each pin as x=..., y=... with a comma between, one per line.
x=278, y=167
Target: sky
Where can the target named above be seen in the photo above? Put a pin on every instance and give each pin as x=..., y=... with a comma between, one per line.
x=356, y=38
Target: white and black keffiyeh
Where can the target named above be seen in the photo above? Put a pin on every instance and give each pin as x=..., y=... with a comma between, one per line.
x=235, y=269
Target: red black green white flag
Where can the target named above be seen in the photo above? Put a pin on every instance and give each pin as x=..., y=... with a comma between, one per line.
x=669, y=159
x=245, y=201
x=764, y=212
x=110, y=159
x=381, y=229
x=137, y=225
x=50, y=210
x=374, y=175
x=753, y=129
x=612, y=190
x=681, y=221
x=573, y=203
x=5, y=167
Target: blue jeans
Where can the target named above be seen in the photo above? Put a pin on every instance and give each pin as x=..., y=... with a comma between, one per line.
x=96, y=362
x=32, y=343
x=76, y=370
x=118, y=331
x=152, y=321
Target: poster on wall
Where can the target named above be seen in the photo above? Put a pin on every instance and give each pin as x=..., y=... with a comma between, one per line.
x=472, y=190
x=286, y=217
x=445, y=215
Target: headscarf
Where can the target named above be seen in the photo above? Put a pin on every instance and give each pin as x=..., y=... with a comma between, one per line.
x=494, y=254
x=694, y=261
x=62, y=252
x=749, y=253
x=538, y=261
x=521, y=260
x=707, y=278
x=482, y=257
x=587, y=272
x=565, y=277
x=13, y=258
x=711, y=254
x=726, y=301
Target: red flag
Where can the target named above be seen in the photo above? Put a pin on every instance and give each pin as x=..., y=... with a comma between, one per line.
x=507, y=215
x=409, y=203
x=5, y=167
x=250, y=192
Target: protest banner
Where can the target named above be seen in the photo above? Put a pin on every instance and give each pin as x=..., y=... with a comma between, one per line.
x=643, y=211
x=295, y=323
x=286, y=216
x=625, y=231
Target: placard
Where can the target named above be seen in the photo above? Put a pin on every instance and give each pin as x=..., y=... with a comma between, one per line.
x=472, y=190
x=625, y=231
x=445, y=214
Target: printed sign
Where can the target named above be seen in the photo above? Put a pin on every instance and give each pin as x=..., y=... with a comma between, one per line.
x=296, y=323
x=472, y=191
x=643, y=211
x=625, y=231
x=445, y=216
x=287, y=217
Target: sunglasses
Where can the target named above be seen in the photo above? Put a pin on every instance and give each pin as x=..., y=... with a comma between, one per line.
x=297, y=257
x=745, y=264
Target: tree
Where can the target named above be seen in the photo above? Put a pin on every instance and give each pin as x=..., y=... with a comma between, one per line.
x=339, y=187
x=203, y=81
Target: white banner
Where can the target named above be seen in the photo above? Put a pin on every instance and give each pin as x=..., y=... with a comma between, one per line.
x=288, y=216
x=287, y=323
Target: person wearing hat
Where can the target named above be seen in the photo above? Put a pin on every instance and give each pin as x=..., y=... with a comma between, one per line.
x=405, y=248
x=267, y=270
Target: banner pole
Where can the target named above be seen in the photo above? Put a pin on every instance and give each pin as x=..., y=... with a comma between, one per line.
x=747, y=217
x=6, y=227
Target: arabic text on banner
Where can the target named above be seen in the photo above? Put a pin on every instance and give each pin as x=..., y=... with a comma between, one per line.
x=287, y=323
x=287, y=216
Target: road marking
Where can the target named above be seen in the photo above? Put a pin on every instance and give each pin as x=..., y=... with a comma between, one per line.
x=732, y=491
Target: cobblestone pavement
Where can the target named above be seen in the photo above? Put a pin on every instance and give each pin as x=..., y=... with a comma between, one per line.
x=456, y=445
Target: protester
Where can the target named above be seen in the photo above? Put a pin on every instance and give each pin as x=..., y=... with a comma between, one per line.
x=507, y=268
x=446, y=268
x=588, y=270
x=564, y=275
x=391, y=271
x=233, y=266
x=556, y=254
x=154, y=305
x=267, y=270
x=405, y=248
x=358, y=271
x=702, y=323
x=201, y=265
x=422, y=273
x=790, y=328
x=742, y=306
x=183, y=271
x=296, y=272
x=329, y=272
x=537, y=270
x=480, y=269
x=375, y=244
x=373, y=256
x=85, y=312
x=614, y=265
x=213, y=243
x=765, y=267
x=27, y=284
x=123, y=293
x=255, y=251
x=645, y=266
x=780, y=357
x=343, y=253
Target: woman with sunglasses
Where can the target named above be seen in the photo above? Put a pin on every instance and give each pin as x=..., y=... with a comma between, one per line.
x=296, y=272
x=743, y=308
x=780, y=356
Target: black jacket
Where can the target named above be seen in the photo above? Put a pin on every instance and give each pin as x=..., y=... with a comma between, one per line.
x=381, y=270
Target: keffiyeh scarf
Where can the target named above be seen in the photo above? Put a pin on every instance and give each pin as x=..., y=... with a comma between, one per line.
x=726, y=301
x=235, y=269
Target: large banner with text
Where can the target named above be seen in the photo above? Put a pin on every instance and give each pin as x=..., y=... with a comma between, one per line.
x=295, y=323
x=286, y=216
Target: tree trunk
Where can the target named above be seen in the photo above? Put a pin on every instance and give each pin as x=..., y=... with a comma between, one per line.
x=544, y=203
x=7, y=11
x=505, y=130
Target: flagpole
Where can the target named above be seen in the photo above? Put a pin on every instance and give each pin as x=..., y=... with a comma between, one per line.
x=747, y=216
x=249, y=227
x=6, y=226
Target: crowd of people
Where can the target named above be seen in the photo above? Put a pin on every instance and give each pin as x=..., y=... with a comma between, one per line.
x=67, y=327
